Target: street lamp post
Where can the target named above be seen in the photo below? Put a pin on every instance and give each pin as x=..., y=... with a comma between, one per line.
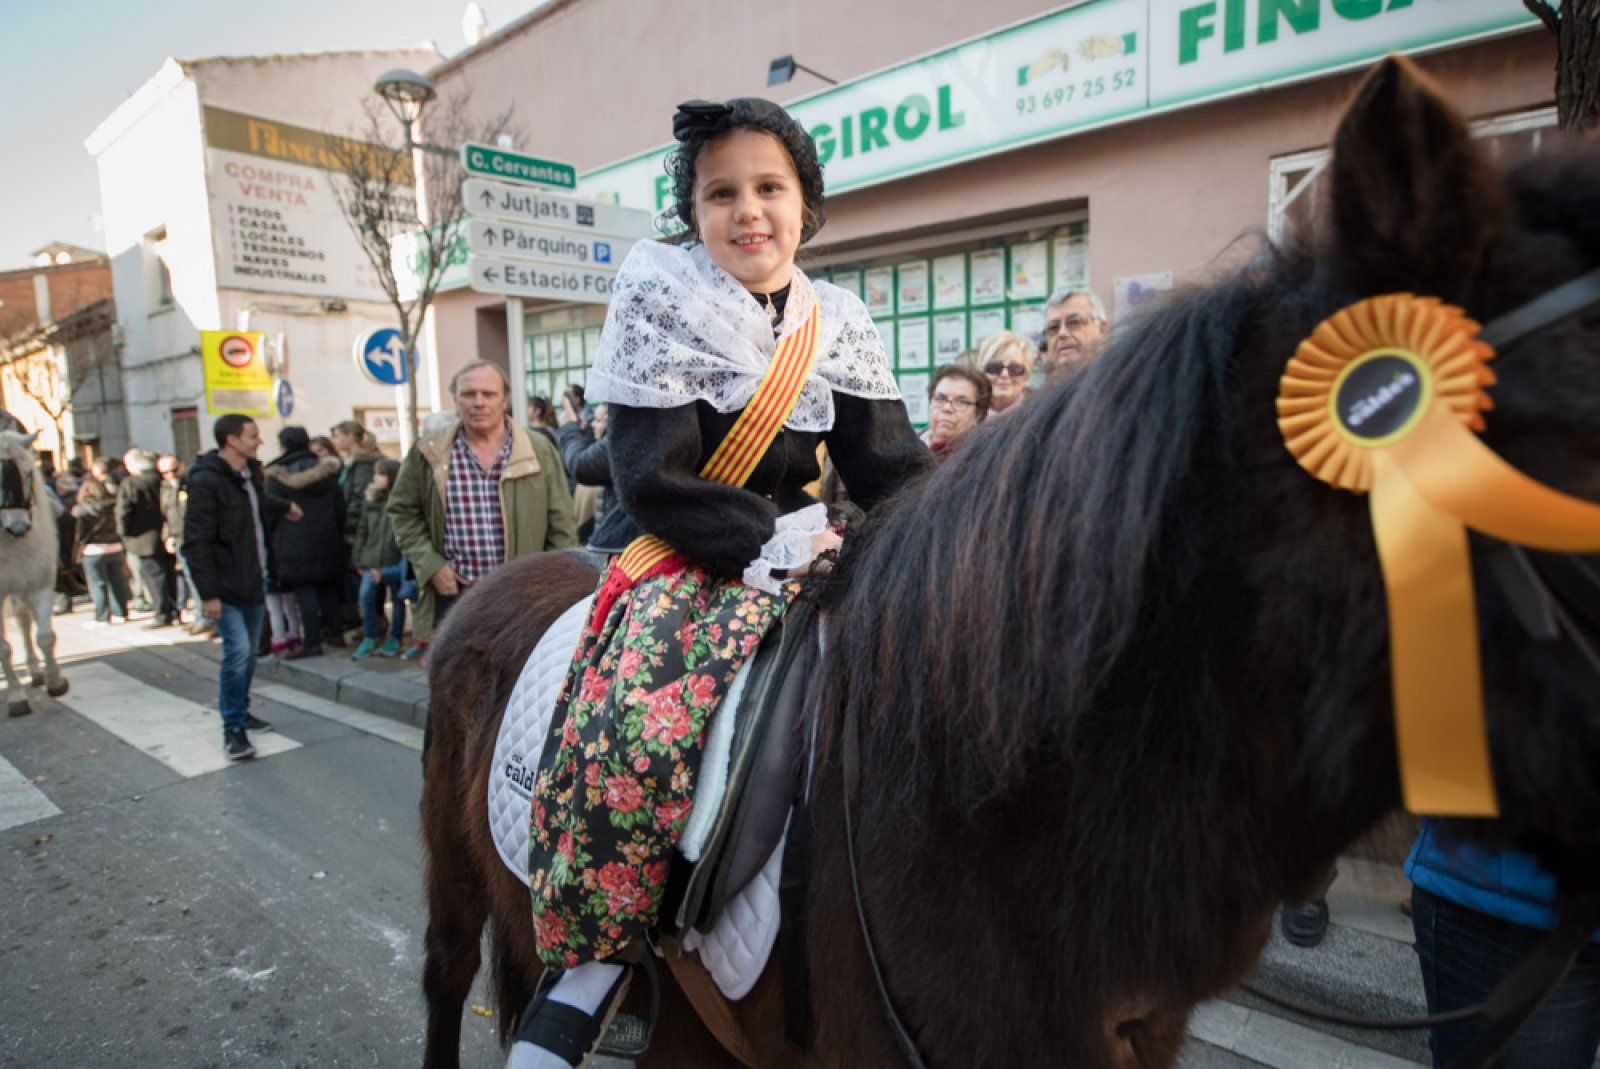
x=406, y=93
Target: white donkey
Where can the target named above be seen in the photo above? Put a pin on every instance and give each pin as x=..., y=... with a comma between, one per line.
x=27, y=568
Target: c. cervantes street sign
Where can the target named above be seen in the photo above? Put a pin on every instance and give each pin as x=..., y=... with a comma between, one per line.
x=515, y=167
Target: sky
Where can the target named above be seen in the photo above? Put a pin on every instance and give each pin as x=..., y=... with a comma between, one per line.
x=66, y=64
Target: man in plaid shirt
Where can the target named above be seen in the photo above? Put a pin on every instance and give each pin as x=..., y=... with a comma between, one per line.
x=475, y=493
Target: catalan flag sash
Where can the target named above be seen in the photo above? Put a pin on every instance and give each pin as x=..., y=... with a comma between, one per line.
x=734, y=459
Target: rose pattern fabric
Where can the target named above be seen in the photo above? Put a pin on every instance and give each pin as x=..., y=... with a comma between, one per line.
x=615, y=786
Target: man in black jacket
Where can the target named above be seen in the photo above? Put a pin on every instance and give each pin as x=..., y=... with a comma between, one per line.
x=139, y=522
x=225, y=547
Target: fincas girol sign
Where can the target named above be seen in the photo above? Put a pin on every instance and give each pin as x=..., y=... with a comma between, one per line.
x=1086, y=65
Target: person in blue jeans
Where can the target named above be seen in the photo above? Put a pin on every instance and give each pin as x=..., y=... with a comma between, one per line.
x=1476, y=913
x=224, y=541
x=377, y=556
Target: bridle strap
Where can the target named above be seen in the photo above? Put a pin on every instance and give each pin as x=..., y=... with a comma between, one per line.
x=852, y=769
x=1565, y=301
x=11, y=470
x=1505, y=1010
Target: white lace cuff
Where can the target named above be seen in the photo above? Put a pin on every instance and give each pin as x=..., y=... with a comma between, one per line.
x=788, y=548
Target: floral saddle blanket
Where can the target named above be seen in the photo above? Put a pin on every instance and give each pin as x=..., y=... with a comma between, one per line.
x=732, y=848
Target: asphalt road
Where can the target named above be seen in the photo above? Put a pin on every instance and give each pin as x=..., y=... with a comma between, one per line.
x=264, y=913
x=160, y=907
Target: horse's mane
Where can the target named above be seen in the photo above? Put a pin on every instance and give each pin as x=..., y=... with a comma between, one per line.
x=1111, y=508
x=1064, y=521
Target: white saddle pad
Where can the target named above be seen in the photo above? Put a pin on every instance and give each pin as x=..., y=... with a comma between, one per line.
x=737, y=948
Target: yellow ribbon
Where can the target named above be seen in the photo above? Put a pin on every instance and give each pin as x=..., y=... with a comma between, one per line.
x=1386, y=396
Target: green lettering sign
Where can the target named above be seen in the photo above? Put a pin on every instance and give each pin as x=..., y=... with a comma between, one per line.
x=873, y=120
x=1233, y=26
x=1194, y=26
x=949, y=118
x=1303, y=16
x=912, y=117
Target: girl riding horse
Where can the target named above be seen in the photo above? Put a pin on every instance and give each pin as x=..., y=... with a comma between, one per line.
x=724, y=366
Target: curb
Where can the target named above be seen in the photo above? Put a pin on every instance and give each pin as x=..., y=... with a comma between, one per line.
x=400, y=695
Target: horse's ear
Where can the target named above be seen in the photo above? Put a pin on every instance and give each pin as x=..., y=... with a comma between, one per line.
x=1414, y=202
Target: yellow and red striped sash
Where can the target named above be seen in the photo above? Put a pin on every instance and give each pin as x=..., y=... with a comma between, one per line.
x=746, y=442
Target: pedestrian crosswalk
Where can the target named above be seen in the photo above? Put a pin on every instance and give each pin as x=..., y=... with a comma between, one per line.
x=181, y=734
x=21, y=800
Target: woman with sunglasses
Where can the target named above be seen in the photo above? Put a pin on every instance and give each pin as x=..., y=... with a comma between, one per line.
x=1007, y=359
x=724, y=532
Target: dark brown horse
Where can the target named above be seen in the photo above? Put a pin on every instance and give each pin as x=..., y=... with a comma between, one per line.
x=1120, y=666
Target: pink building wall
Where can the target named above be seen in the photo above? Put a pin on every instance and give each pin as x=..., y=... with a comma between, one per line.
x=596, y=81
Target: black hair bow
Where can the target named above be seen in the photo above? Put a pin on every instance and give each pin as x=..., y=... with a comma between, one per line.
x=700, y=117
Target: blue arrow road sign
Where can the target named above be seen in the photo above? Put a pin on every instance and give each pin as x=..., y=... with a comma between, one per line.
x=380, y=357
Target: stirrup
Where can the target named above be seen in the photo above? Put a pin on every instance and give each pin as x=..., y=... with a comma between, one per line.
x=629, y=1036
x=562, y=1030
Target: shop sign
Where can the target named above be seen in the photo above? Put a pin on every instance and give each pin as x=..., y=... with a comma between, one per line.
x=276, y=223
x=1202, y=49
x=515, y=167
x=382, y=423
x=408, y=254
x=554, y=282
x=493, y=238
x=237, y=379
x=1087, y=65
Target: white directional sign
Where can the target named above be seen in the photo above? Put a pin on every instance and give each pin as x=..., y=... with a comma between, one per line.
x=519, y=204
x=494, y=238
x=554, y=282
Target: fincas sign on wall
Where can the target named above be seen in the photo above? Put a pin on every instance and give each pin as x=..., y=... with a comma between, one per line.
x=1084, y=66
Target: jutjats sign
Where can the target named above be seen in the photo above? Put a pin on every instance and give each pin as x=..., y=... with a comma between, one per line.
x=1084, y=66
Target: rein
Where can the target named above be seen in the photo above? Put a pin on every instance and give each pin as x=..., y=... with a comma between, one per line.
x=1520, y=992
x=16, y=490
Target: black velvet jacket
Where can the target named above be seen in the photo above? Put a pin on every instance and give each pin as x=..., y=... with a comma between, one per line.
x=657, y=453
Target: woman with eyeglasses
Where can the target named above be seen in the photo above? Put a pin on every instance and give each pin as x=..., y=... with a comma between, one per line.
x=958, y=401
x=1007, y=360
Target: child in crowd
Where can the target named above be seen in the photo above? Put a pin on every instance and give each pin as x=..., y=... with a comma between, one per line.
x=377, y=556
x=283, y=613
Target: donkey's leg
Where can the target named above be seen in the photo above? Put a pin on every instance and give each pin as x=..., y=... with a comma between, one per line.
x=16, y=697
x=43, y=604
x=457, y=910
x=25, y=614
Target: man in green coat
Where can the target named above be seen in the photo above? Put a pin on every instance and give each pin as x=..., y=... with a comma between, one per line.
x=475, y=493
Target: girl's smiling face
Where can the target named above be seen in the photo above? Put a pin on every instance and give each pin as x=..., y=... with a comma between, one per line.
x=748, y=208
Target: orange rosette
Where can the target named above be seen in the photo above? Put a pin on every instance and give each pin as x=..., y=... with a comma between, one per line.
x=1385, y=398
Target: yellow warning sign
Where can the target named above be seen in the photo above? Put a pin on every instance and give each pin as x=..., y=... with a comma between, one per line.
x=237, y=379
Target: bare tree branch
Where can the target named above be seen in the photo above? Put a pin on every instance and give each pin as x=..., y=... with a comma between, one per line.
x=378, y=198
x=1576, y=28
x=1546, y=14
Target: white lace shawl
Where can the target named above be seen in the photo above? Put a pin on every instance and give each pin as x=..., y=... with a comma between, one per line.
x=681, y=329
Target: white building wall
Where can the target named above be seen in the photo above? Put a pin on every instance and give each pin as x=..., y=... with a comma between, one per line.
x=150, y=156
x=152, y=159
